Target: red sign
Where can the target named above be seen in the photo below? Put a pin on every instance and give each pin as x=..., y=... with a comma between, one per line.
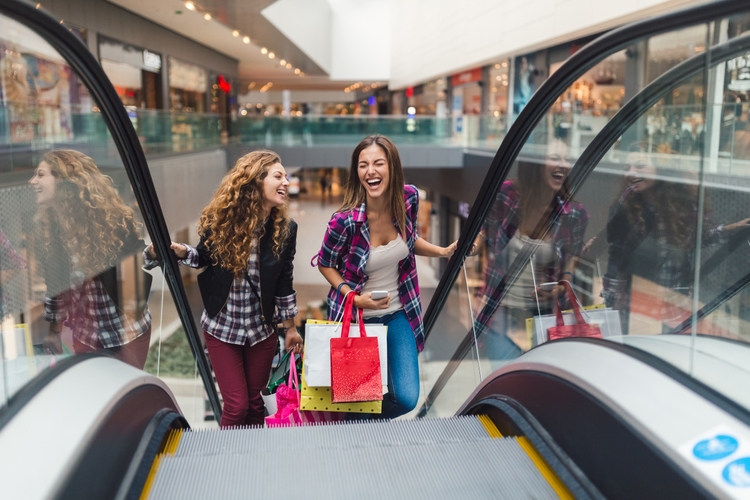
x=224, y=84
x=409, y=91
x=474, y=75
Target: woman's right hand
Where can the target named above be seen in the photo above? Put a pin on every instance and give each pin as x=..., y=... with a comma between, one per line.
x=179, y=249
x=366, y=302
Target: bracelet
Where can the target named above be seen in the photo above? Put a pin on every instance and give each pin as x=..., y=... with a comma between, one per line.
x=338, y=288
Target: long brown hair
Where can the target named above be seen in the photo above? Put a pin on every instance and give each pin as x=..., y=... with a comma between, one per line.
x=230, y=221
x=87, y=213
x=354, y=192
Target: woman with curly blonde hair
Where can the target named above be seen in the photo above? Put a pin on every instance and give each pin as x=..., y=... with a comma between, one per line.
x=247, y=244
x=84, y=231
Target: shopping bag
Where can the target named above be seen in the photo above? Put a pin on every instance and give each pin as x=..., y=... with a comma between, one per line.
x=606, y=318
x=318, y=399
x=579, y=329
x=278, y=377
x=318, y=335
x=355, y=364
x=287, y=402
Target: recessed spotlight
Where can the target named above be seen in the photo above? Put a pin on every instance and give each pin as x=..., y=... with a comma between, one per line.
x=264, y=50
x=189, y=6
x=207, y=16
x=288, y=65
x=235, y=33
x=38, y=6
x=246, y=39
x=271, y=55
x=282, y=62
x=297, y=71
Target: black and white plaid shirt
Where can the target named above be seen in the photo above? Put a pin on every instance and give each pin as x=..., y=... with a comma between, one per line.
x=88, y=310
x=240, y=322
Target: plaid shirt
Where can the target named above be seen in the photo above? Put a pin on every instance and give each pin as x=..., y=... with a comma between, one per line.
x=88, y=310
x=667, y=265
x=502, y=223
x=240, y=322
x=346, y=248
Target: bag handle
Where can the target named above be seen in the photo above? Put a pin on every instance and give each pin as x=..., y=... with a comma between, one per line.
x=574, y=303
x=293, y=381
x=348, y=306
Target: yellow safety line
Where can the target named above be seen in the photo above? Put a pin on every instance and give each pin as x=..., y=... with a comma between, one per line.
x=548, y=474
x=173, y=441
x=490, y=426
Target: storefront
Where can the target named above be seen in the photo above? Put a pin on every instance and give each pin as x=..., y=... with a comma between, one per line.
x=188, y=85
x=466, y=102
x=134, y=72
x=497, y=104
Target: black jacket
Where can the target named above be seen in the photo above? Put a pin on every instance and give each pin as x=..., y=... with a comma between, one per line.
x=215, y=282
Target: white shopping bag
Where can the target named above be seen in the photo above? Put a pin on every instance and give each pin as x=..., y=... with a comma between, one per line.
x=318, y=335
x=608, y=320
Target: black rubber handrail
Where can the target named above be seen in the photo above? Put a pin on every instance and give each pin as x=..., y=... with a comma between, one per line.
x=521, y=129
x=86, y=67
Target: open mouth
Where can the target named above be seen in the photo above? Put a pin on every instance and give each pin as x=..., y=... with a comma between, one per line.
x=282, y=192
x=558, y=175
x=635, y=180
x=373, y=183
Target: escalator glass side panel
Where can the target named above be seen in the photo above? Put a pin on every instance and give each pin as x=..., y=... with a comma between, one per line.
x=72, y=275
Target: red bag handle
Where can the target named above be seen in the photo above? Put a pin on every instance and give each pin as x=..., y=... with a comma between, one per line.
x=573, y=302
x=347, y=321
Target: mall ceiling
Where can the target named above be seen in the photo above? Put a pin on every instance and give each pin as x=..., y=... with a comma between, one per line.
x=223, y=26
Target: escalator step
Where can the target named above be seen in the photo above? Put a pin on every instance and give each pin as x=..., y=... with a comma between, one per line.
x=343, y=435
x=478, y=469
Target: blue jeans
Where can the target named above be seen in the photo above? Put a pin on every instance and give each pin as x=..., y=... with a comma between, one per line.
x=403, y=368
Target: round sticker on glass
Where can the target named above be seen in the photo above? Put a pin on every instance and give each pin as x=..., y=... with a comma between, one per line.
x=715, y=448
x=737, y=473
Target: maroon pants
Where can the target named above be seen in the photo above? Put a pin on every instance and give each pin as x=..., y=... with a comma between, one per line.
x=133, y=353
x=241, y=372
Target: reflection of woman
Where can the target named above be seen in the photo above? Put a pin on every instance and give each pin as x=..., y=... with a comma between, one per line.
x=651, y=233
x=247, y=245
x=519, y=219
x=370, y=245
x=85, y=232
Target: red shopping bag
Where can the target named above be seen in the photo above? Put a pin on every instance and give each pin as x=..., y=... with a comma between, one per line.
x=355, y=363
x=580, y=329
x=287, y=402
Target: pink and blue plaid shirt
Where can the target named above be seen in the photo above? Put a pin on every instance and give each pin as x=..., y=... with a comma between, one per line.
x=346, y=248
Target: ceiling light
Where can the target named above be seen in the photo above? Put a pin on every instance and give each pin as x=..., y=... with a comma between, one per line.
x=504, y=65
x=235, y=33
x=347, y=90
x=264, y=50
x=269, y=84
x=301, y=73
x=207, y=16
x=271, y=55
x=288, y=65
x=246, y=39
x=189, y=6
x=282, y=62
x=296, y=71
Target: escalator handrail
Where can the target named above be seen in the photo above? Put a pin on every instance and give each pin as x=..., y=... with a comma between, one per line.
x=86, y=67
x=519, y=132
x=537, y=107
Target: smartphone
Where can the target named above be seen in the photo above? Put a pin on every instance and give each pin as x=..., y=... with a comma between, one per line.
x=379, y=294
x=548, y=287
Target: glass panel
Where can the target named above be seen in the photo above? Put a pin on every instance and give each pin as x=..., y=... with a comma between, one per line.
x=71, y=233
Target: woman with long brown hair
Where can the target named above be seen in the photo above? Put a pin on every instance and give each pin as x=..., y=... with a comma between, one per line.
x=84, y=231
x=370, y=245
x=247, y=244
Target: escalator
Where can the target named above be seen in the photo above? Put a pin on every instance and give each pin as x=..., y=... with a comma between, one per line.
x=619, y=417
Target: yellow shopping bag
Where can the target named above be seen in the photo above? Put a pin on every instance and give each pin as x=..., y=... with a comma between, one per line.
x=319, y=398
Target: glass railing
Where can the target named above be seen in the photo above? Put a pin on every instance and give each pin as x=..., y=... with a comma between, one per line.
x=72, y=275
x=644, y=216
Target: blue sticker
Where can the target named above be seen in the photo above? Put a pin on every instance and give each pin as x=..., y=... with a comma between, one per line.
x=715, y=448
x=737, y=473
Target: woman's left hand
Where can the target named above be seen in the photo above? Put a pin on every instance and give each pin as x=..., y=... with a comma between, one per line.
x=450, y=249
x=544, y=296
x=742, y=224
x=293, y=340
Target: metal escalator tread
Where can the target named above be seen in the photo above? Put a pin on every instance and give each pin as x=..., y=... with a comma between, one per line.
x=401, y=459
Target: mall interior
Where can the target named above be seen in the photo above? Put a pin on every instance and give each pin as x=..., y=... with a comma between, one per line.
x=586, y=162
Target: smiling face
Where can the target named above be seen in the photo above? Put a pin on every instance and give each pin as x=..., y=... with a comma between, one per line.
x=43, y=183
x=556, y=165
x=373, y=172
x=641, y=174
x=275, y=187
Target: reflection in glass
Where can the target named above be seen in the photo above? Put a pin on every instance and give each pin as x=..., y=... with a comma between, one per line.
x=88, y=246
x=525, y=257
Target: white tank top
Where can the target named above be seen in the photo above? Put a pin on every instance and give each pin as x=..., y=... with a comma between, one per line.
x=520, y=293
x=382, y=272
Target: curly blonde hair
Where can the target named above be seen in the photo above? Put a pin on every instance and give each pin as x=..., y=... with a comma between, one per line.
x=88, y=214
x=230, y=221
